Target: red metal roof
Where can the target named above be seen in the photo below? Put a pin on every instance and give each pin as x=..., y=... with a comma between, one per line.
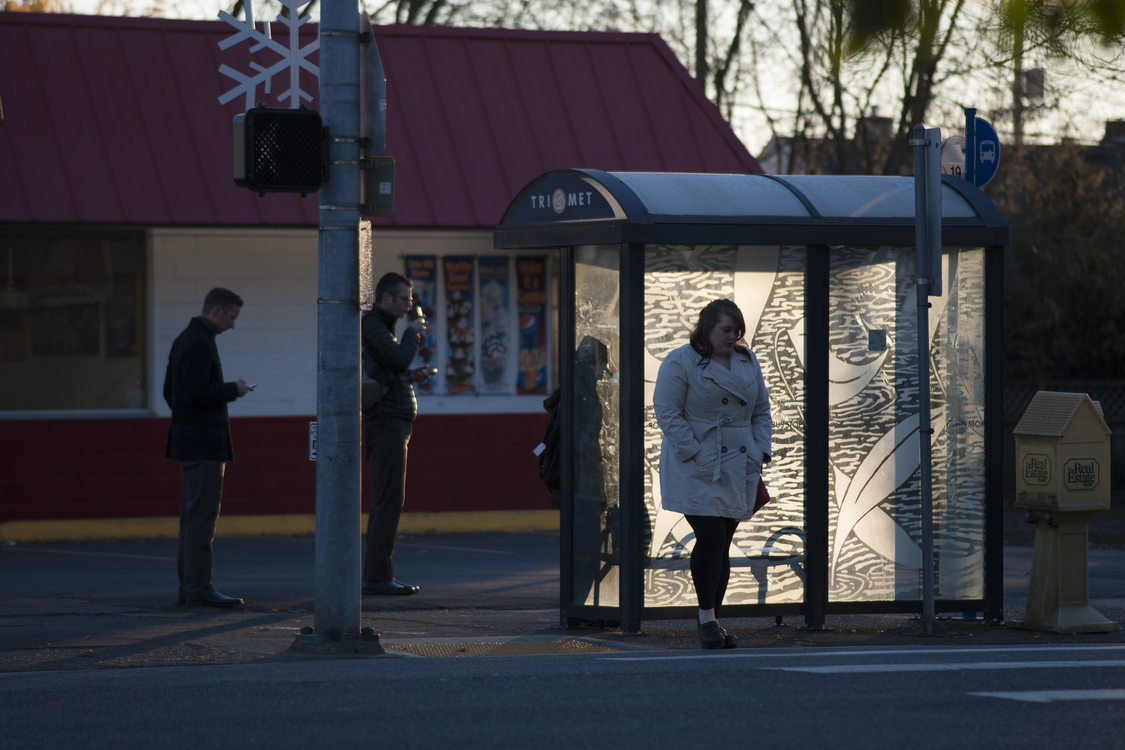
x=117, y=120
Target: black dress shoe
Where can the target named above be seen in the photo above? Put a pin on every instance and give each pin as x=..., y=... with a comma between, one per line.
x=389, y=587
x=711, y=635
x=211, y=598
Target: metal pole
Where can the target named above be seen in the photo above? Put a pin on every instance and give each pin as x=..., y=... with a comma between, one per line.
x=927, y=234
x=701, y=33
x=971, y=145
x=338, y=470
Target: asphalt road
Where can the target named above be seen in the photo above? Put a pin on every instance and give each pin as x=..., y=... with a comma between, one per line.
x=78, y=621
x=899, y=697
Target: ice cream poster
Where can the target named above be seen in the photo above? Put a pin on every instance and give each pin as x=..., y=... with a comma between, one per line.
x=531, y=278
x=460, y=365
x=495, y=313
x=422, y=270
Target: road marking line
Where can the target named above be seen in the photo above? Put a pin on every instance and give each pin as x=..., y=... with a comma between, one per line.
x=1048, y=696
x=953, y=667
x=776, y=654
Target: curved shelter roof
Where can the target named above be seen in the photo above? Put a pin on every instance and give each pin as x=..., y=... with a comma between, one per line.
x=584, y=206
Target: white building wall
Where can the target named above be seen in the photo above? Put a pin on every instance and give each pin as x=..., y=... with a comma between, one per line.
x=273, y=344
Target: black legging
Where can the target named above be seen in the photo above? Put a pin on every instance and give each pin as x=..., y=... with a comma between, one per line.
x=710, y=559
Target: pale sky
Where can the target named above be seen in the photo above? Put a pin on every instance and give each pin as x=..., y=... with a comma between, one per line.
x=1082, y=113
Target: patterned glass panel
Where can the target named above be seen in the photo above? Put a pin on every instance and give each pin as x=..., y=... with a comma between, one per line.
x=875, y=518
x=597, y=546
x=767, y=283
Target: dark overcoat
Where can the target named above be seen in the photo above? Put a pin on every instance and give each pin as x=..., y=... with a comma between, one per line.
x=392, y=360
x=195, y=391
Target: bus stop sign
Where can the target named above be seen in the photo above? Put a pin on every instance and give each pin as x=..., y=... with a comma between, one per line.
x=984, y=153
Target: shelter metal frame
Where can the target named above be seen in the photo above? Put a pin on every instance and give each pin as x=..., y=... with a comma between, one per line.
x=632, y=210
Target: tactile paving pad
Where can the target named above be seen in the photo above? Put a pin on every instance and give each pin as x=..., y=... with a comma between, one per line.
x=500, y=648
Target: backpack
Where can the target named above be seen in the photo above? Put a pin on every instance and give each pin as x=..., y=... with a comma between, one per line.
x=372, y=389
x=550, y=465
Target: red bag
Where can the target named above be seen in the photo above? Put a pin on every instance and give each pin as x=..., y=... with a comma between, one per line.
x=763, y=495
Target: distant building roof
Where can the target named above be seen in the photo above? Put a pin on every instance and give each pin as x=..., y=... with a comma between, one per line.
x=117, y=120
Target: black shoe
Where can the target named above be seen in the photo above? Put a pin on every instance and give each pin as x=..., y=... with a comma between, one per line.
x=729, y=641
x=711, y=635
x=211, y=598
x=389, y=587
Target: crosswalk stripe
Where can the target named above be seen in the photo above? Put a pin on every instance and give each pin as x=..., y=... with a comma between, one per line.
x=1047, y=696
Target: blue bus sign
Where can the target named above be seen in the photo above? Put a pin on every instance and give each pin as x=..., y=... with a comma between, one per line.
x=982, y=149
x=987, y=152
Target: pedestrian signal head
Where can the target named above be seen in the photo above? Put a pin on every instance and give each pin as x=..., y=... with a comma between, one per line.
x=280, y=151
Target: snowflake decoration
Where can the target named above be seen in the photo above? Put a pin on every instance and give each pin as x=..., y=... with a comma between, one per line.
x=292, y=58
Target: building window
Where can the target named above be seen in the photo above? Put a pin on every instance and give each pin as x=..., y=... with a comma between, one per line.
x=72, y=320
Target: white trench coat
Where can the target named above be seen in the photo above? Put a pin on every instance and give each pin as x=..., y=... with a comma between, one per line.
x=717, y=430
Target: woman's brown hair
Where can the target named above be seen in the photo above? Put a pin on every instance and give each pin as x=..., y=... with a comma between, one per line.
x=709, y=317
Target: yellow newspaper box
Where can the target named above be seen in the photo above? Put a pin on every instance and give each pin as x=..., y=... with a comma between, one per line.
x=1062, y=481
x=1062, y=454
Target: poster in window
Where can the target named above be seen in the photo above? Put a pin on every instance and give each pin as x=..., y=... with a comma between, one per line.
x=422, y=270
x=14, y=340
x=460, y=365
x=66, y=331
x=495, y=312
x=121, y=317
x=531, y=277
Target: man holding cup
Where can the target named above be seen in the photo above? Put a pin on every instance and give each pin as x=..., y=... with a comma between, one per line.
x=388, y=423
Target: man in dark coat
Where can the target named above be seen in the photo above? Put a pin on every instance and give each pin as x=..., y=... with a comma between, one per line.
x=199, y=438
x=388, y=424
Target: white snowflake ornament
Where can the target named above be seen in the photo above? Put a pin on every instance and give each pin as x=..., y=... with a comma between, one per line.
x=292, y=58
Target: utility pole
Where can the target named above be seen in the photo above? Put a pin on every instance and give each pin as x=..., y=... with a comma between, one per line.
x=1017, y=82
x=926, y=143
x=701, y=44
x=339, y=464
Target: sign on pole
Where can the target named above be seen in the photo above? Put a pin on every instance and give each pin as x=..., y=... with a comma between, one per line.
x=927, y=205
x=974, y=156
x=985, y=152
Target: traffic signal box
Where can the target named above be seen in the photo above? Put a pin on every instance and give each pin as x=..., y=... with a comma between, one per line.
x=280, y=151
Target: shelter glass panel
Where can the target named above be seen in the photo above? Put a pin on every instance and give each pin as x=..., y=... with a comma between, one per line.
x=596, y=413
x=875, y=540
x=768, y=285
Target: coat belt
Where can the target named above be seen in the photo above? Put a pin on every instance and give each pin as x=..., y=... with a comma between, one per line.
x=718, y=425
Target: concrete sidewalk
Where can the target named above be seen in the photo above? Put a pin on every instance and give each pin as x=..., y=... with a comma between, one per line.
x=107, y=605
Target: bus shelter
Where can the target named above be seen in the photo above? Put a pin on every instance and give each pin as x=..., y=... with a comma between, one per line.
x=823, y=268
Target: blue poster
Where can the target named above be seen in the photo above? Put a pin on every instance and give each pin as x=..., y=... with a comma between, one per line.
x=495, y=314
x=460, y=338
x=422, y=270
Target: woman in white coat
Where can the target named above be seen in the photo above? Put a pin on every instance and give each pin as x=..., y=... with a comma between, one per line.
x=713, y=408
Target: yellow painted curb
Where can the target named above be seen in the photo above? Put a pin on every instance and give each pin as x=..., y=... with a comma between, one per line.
x=278, y=525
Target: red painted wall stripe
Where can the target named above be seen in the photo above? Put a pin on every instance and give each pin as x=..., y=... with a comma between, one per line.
x=115, y=468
